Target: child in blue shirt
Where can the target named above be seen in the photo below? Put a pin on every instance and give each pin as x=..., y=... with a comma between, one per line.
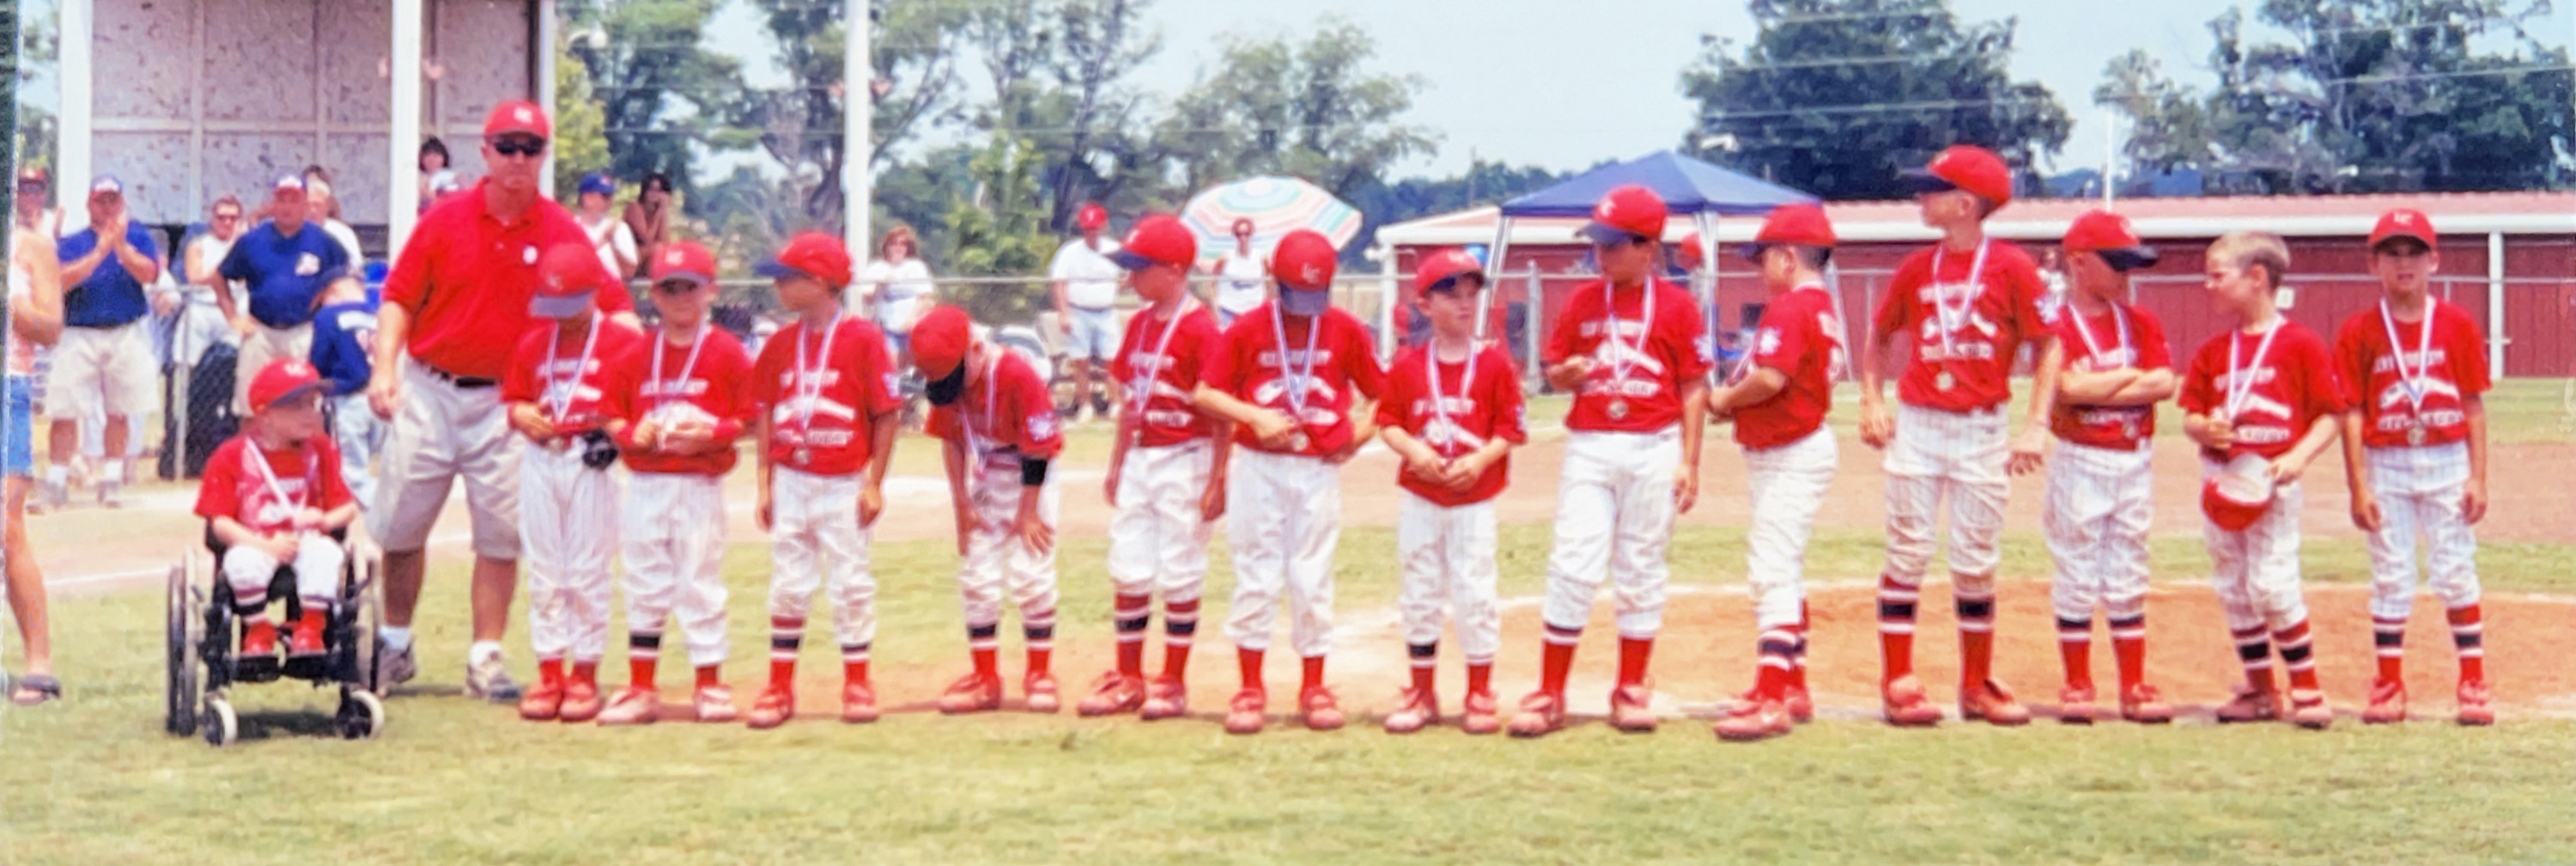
x=344, y=329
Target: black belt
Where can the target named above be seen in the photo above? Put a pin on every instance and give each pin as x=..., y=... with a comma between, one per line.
x=1108, y=309
x=468, y=382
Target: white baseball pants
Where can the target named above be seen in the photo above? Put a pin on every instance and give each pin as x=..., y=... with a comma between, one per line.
x=2099, y=511
x=444, y=432
x=1955, y=456
x=1448, y=557
x=2419, y=491
x=1283, y=521
x=1788, y=484
x=996, y=561
x=673, y=547
x=317, y=571
x=360, y=434
x=1614, y=512
x=1157, y=540
x=568, y=533
x=815, y=538
x=2256, y=570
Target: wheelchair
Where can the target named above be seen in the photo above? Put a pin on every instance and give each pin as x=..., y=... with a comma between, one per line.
x=205, y=642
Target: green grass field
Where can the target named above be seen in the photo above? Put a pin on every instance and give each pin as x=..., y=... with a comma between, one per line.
x=93, y=780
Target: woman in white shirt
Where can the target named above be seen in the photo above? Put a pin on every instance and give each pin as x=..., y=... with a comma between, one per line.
x=1242, y=279
x=609, y=235
x=901, y=286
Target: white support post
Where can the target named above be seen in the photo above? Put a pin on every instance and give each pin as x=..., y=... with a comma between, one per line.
x=402, y=192
x=73, y=167
x=549, y=29
x=2496, y=339
x=1388, y=289
x=858, y=115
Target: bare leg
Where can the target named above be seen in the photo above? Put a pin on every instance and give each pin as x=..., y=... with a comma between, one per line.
x=27, y=585
x=62, y=440
x=1081, y=383
x=402, y=577
x=495, y=581
x=113, y=436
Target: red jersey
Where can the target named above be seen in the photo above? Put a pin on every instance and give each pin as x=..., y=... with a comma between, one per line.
x=2451, y=370
x=2127, y=336
x=820, y=407
x=1174, y=351
x=1802, y=338
x=233, y=488
x=2287, y=389
x=1472, y=410
x=1992, y=312
x=466, y=277
x=548, y=370
x=709, y=391
x=1660, y=357
x=1006, y=416
x=1251, y=365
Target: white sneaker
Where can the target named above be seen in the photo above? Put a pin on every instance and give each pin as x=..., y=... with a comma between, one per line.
x=489, y=680
x=109, y=494
x=394, y=667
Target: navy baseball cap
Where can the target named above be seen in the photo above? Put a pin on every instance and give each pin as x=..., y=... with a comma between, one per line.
x=598, y=182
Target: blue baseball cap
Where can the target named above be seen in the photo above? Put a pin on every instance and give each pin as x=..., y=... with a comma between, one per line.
x=598, y=182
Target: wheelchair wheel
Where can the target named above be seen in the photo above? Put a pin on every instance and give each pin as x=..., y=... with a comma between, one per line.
x=222, y=727
x=180, y=695
x=361, y=715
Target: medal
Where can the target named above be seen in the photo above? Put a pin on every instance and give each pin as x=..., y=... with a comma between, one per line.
x=1951, y=320
x=1299, y=442
x=665, y=389
x=2411, y=380
x=1441, y=425
x=1945, y=381
x=2415, y=435
x=560, y=389
x=1295, y=380
x=804, y=456
x=809, y=382
x=1618, y=409
x=1620, y=361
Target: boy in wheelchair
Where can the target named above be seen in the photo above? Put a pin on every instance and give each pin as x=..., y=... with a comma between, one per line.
x=272, y=496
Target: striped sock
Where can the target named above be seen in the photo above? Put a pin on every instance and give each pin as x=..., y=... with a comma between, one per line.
x=2075, y=643
x=1976, y=636
x=2389, y=636
x=1131, y=614
x=1426, y=660
x=786, y=635
x=1798, y=653
x=1248, y=663
x=1180, y=625
x=1777, y=649
x=1039, y=632
x=1896, y=627
x=2129, y=646
x=2300, y=658
x=854, y=662
x=643, y=652
x=2254, y=649
x=982, y=642
x=1557, y=658
x=2468, y=636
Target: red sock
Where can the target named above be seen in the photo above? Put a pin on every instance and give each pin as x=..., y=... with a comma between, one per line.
x=1895, y=628
x=2075, y=643
x=643, y=653
x=782, y=672
x=1180, y=625
x=2468, y=636
x=2388, y=637
x=1425, y=669
x=1314, y=674
x=1480, y=678
x=1038, y=631
x=1798, y=653
x=1774, y=651
x=550, y=672
x=309, y=626
x=586, y=673
x=1131, y=614
x=1976, y=636
x=1557, y=659
x=710, y=675
x=986, y=662
x=1633, y=655
x=1041, y=660
x=2129, y=647
x=2298, y=656
x=1248, y=662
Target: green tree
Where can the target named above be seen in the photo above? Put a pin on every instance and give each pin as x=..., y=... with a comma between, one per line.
x=661, y=91
x=1059, y=73
x=996, y=234
x=1834, y=97
x=2168, y=123
x=581, y=139
x=1382, y=203
x=1313, y=110
x=37, y=47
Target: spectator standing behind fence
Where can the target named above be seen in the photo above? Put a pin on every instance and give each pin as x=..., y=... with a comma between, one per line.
x=901, y=284
x=344, y=330
x=1242, y=278
x=649, y=217
x=104, y=361
x=323, y=210
x=610, y=237
x=36, y=319
x=433, y=161
x=202, y=321
x=33, y=206
x=285, y=263
x=1085, y=281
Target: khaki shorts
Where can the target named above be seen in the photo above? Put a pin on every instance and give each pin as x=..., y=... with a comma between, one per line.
x=263, y=347
x=107, y=371
x=440, y=434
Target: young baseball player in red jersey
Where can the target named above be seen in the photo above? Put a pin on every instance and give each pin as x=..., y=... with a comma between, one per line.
x=2112, y=367
x=2263, y=393
x=1779, y=398
x=1633, y=350
x=1453, y=411
x=999, y=427
x=2414, y=371
x=679, y=404
x=556, y=394
x=272, y=495
x=1965, y=306
x=826, y=422
x=1166, y=472
x=1284, y=374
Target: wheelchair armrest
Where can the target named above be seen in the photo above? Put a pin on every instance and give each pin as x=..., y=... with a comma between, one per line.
x=216, y=545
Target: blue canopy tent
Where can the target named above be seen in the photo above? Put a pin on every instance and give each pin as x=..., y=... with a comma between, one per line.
x=1691, y=187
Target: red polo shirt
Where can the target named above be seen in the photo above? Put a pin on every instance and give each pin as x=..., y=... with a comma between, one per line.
x=466, y=277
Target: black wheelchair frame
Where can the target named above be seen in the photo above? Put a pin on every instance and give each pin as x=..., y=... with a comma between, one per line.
x=204, y=640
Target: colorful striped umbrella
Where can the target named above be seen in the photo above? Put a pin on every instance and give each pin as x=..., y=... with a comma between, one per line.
x=1275, y=205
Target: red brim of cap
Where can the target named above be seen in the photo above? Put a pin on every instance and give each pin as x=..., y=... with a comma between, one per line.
x=2235, y=502
x=291, y=393
x=560, y=306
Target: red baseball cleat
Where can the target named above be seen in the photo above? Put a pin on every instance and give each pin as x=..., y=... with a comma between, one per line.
x=1630, y=710
x=1113, y=693
x=1542, y=713
x=972, y=693
x=1906, y=705
x=776, y=705
x=2141, y=703
x=1165, y=698
x=1415, y=709
x=1322, y=711
x=2308, y=709
x=1244, y=714
x=2474, y=697
x=858, y=702
x=1990, y=702
x=543, y=703
x=1482, y=716
x=2387, y=703
x=2075, y=705
x=1755, y=720
x=2251, y=705
x=1040, y=687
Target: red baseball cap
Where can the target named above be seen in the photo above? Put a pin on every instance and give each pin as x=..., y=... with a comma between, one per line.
x=810, y=254
x=1441, y=270
x=517, y=115
x=568, y=279
x=1091, y=216
x=2403, y=223
x=2109, y=234
x=1689, y=254
x=1158, y=239
x=282, y=379
x=1304, y=261
x=684, y=260
x=2237, y=497
x=1799, y=224
x=1968, y=167
x=1631, y=211
x=939, y=341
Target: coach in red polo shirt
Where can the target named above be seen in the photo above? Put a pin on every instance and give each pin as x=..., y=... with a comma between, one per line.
x=455, y=304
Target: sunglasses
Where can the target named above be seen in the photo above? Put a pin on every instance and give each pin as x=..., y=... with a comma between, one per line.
x=519, y=146
x=675, y=287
